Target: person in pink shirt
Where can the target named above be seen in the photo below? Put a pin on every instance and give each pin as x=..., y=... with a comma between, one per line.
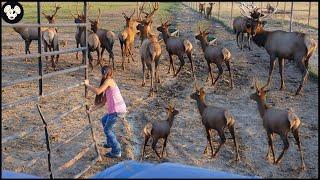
x=108, y=95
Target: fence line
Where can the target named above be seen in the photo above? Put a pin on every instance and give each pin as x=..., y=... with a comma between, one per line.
x=40, y=94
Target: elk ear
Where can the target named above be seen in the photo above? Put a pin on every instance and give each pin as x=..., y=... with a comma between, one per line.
x=169, y=24
x=175, y=112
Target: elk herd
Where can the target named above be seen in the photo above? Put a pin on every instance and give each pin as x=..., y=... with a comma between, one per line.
x=278, y=44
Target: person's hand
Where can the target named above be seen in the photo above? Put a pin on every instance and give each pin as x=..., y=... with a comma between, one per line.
x=86, y=82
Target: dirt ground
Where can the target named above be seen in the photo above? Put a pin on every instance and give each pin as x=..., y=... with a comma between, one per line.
x=187, y=139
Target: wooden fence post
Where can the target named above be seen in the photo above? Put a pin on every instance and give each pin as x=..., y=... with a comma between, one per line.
x=291, y=17
x=40, y=65
x=309, y=16
x=86, y=54
x=231, y=14
x=219, y=11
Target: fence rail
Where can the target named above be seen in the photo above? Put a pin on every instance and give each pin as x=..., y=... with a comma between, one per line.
x=41, y=77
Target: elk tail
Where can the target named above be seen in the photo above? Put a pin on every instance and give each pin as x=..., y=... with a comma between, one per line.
x=147, y=129
x=311, y=49
x=226, y=54
x=187, y=45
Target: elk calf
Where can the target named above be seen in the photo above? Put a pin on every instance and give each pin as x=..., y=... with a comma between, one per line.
x=158, y=130
x=176, y=46
x=202, y=8
x=150, y=52
x=216, y=55
x=216, y=118
x=209, y=10
x=277, y=121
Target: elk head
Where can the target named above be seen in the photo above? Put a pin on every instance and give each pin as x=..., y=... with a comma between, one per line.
x=202, y=34
x=52, y=18
x=260, y=94
x=78, y=18
x=95, y=23
x=164, y=26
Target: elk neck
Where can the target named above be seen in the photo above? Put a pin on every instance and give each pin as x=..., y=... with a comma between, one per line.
x=165, y=36
x=262, y=107
x=204, y=44
x=201, y=104
x=170, y=118
x=261, y=38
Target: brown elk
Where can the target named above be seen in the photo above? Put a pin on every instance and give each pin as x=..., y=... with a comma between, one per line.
x=106, y=38
x=78, y=18
x=159, y=130
x=209, y=10
x=277, y=121
x=176, y=46
x=216, y=118
x=126, y=37
x=285, y=45
x=50, y=37
x=216, y=55
x=202, y=8
x=150, y=52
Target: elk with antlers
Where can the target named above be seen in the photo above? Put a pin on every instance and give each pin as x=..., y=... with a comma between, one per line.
x=50, y=37
x=126, y=37
x=176, y=46
x=216, y=55
x=159, y=130
x=106, y=38
x=78, y=18
x=285, y=45
x=216, y=118
x=277, y=121
x=246, y=24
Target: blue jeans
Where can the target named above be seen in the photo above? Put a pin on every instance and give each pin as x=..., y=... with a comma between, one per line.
x=108, y=122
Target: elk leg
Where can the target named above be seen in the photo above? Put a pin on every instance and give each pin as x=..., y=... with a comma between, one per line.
x=270, y=146
x=130, y=53
x=146, y=138
x=77, y=53
x=238, y=33
x=281, y=64
x=209, y=140
x=230, y=75
x=297, y=138
x=285, y=147
x=90, y=60
x=242, y=41
x=154, y=143
x=152, y=76
x=209, y=72
x=190, y=58
x=219, y=74
x=304, y=71
x=143, y=72
x=171, y=64
x=45, y=47
x=222, y=141
x=122, y=54
x=181, y=64
x=231, y=129
x=101, y=54
x=164, y=145
x=249, y=39
x=272, y=62
x=156, y=76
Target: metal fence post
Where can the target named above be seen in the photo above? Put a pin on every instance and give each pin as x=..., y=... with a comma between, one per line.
x=309, y=16
x=219, y=11
x=291, y=17
x=40, y=65
x=86, y=56
x=231, y=14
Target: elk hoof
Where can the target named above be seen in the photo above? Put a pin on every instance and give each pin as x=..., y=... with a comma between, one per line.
x=303, y=167
x=143, y=84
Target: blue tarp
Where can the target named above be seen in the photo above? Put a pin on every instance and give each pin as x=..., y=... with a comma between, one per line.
x=134, y=169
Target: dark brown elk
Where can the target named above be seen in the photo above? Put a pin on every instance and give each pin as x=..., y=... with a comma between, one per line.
x=176, y=46
x=209, y=10
x=216, y=118
x=159, y=130
x=246, y=24
x=106, y=38
x=126, y=37
x=50, y=37
x=94, y=44
x=277, y=121
x=202, y=9
x=78, y=18
x=214, y=54
x=286, y=45
x=150, y=52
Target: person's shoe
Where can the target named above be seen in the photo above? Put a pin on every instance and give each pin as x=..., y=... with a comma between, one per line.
x=113, y=155
x=106, y=146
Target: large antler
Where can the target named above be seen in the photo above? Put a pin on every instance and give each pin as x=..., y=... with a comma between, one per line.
x=155, y=7
x=99, y=15
x=76, y=10
x=56, y=10
x=242, y=6
x=141, y=10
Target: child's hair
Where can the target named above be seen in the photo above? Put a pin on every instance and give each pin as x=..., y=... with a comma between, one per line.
x=106, y=71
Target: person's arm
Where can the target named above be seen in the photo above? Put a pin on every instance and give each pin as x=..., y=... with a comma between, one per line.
x=99, y=90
